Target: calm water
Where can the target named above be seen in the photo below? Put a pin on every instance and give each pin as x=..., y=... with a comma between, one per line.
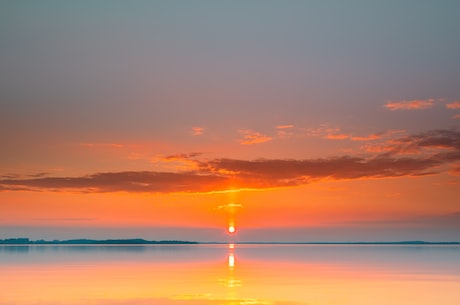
x=226, y=275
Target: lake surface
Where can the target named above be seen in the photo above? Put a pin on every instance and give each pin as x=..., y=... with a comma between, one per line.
x=230, y=275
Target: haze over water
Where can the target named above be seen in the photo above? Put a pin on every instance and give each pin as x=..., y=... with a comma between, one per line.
x=230, y=275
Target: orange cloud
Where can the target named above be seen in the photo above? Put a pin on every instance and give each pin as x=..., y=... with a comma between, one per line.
x=102, y=145
x=343, y=136
x=337, y=136
x=253, y=137
x=457, y=116
x=410, y=104
x=178, y=162
x=370, y=137
x=285, y=131
x=284, y=126
x=197, y=131
x=326, y=132
x=453, y=105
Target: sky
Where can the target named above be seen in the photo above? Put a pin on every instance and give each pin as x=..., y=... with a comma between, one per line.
x=289, y=120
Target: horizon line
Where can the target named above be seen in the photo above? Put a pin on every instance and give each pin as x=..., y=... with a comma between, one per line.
x=141, y=241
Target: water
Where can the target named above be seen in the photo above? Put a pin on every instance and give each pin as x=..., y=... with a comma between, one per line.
x=230, y=275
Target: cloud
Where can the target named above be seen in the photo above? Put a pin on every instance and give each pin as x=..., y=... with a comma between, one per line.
x=343, y=136
x=322, y=131
x=334, y=133
x=197, y=131
x=101, y=145
x=410, y=104
x=371, y=137
x=414, y=155
x=423, y=143
x=253, y=137
x=184, y=156
x=340, y=136
x=457, y=116
x=434, y=139
x=284, y=126
x=177, y=162
x=149, y=182
x=284, y=131
x=453, y=105
x=229, y=206
x=265, y=173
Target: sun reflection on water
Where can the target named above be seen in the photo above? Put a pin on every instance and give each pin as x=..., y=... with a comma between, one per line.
x=231, y=281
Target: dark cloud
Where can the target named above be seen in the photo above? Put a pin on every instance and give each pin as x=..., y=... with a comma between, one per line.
x=296, y=172
x=222, y=174
x=434, y=139
x=124, y=181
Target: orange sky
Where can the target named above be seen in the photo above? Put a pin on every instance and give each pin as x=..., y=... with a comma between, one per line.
x=177, y=117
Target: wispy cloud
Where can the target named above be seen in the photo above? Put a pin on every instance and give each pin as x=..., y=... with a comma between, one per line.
x=101, y=145
x=229, y=206
x=337, y=136
x=335, y=133
x=411, y=104
x=371, y=137
x=285, y=126
x=413, y=155
x=253, y=137
x=453, y=105
x=322, y=131
x=177, y=162
x=197, y=131
x=284, y=131
x=183, y=156
x=155, y=182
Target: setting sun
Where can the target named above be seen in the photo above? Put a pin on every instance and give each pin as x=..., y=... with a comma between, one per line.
x=231, y=229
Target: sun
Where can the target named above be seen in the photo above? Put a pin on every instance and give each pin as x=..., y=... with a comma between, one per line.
x=231, y=229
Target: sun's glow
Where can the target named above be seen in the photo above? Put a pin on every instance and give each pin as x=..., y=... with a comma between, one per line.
x=231, y=229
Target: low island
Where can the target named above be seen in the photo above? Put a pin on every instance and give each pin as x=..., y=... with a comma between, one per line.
x=134, y=241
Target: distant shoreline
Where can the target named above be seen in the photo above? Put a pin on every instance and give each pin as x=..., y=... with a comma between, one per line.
x=135, y=241
x=140, y=241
